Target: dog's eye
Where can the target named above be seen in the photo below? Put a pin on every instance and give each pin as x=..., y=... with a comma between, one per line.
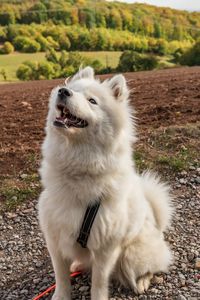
x=91, y=100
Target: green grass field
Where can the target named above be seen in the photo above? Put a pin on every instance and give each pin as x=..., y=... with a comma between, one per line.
x=11, y=62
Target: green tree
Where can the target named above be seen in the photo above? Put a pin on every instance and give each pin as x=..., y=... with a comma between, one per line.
x=127, y=20
x=52, y=56
x=87, y=17
x=52, y=43
x=33, y=71
x=157, y=30
x=128, y=61
x=74, y=16
x=24, y=72
x=177, y=33
x=45, y=70
x=44, y=44
x=64, y=43
x=7, y=16
x=192, y=56
x=161, y=47
x=131, y=61
x=96, y=64
x=115, y=20
x=64, y=59
x=68, y=71
x=7, y=48
x=25, y=44
x=100, y=19
x=177, y=56
x=38, y=14
x=2, y=34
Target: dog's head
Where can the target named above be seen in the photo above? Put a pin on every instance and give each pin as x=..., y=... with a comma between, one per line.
x=86, y=110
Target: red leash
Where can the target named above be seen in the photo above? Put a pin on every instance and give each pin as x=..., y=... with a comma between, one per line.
x=53, y=287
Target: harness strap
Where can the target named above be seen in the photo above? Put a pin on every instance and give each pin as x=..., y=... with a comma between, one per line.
x=88, y=220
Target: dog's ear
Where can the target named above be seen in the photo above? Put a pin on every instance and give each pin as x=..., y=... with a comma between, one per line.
x=87, y=72
x=119, y=87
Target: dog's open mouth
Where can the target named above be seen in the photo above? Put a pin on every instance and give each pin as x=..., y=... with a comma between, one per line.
x=66, y=119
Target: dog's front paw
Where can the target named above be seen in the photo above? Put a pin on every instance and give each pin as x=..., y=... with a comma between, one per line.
x=60, y=296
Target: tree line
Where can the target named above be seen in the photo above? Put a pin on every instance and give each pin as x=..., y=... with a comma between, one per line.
x=41, y=37
x=65, y=64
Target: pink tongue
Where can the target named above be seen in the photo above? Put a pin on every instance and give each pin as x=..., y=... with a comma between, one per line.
x=60, y=118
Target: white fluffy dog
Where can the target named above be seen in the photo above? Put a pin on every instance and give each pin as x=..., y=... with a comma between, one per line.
x=87, y=157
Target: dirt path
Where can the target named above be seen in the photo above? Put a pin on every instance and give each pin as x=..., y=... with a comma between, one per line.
x=26, y=269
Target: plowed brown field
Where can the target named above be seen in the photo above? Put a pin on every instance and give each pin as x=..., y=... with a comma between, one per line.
x=161, y=98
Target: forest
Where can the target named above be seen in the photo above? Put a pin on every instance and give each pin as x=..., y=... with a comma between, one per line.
x=62, y=26
x=33, y=26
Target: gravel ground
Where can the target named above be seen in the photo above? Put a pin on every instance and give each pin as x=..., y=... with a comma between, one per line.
x=26, y=268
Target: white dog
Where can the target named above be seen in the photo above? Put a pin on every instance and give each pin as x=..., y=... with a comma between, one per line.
x=87, y=159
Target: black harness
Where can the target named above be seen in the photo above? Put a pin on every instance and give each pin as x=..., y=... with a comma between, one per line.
x=88, y=220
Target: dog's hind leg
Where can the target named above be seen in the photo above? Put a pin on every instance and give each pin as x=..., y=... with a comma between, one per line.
x=143, y=283
x=143, y=257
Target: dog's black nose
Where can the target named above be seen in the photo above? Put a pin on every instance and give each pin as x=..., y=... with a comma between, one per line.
x=64, y=92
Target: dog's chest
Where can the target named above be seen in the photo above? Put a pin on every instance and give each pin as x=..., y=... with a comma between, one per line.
x=66, y=220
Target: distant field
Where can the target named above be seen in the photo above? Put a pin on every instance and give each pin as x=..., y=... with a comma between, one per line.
x=12, y=61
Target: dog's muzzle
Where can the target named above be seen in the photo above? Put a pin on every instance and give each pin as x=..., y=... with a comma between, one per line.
x=66, y=118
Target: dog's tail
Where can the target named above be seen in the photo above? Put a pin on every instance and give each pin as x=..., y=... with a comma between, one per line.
x=157, y=193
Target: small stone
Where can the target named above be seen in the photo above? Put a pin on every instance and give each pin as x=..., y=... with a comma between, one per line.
x=24, y=291
x=84, y=288
x=39, y=264
x=12, y=215
x=197, y=180
x=182, y=282
x=36, y=280
x=158, y=279
x=197, y=264
x=14, y=198
x=182, y=181
x=183, y=173
x=181, y=297
x=190, y=256
x=195, y=292
x=24, y=103
x=183, y=266
x=142, y=297
x=155, y=291
x=23, y=176
x=192, y=168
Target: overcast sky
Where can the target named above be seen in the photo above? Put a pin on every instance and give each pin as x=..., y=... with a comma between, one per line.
x=179, y=4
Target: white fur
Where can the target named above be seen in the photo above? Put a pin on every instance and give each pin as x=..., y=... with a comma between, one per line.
x=81, y=165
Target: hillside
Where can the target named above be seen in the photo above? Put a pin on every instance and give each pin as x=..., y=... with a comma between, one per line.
x=137, y=18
